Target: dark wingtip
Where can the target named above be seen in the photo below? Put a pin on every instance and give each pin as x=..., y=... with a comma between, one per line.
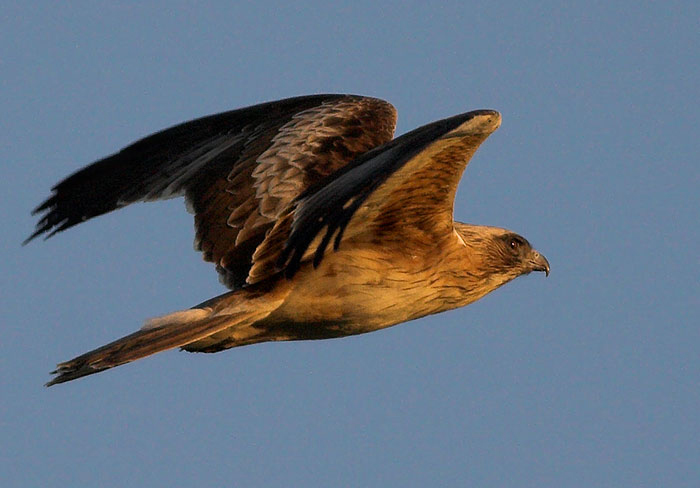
x=44, y=225
x=45, y=228
x=289, y=262
x=31, y=237
x=49, y=202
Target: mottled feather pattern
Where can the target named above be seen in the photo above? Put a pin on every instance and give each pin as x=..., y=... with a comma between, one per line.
x=275, y=166
x=311, y=147
x=422, y=166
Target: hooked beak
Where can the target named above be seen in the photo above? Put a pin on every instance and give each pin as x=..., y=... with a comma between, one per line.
x=539, y=263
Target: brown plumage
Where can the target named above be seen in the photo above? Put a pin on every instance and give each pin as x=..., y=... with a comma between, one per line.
x=320, y=224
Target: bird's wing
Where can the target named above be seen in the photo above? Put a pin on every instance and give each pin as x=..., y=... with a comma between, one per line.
x=402, y=191
x=238, y=170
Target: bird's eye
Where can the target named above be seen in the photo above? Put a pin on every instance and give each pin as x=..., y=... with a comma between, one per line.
x=515, y=244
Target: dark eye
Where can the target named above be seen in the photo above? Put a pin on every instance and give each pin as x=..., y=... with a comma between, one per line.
x=515, y=244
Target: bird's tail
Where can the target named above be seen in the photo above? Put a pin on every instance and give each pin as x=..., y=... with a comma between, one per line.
x=236, y=311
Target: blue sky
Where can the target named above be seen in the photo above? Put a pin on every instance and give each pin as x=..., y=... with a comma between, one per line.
x=588, y=378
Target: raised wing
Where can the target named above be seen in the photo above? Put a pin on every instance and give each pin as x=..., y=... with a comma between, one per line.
x=403, y=191
x=239, y=170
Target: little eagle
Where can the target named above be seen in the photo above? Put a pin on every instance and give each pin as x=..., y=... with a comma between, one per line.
x=319, y=223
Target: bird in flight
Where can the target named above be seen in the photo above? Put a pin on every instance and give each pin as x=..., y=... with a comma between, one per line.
x=319, y=223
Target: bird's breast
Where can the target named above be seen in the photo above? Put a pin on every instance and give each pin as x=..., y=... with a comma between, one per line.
x=360, y=291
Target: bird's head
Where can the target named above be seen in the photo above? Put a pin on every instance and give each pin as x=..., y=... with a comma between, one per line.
x=510, y=251
x=500, y=255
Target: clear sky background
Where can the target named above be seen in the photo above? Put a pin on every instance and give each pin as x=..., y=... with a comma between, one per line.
x=590, y=378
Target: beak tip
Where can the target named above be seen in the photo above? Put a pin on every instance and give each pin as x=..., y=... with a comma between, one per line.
x=540, y=263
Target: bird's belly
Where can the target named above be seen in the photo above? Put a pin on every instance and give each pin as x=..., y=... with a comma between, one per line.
x=344, y=297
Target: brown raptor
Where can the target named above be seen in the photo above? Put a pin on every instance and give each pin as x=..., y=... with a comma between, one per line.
x=318, y=221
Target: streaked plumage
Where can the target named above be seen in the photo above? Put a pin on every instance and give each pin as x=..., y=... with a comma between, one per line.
x=320, y=224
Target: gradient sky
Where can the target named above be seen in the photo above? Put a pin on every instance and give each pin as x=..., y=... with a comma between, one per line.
x=589, y=378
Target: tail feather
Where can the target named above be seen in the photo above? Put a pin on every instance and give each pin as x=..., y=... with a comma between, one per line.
x=141, y=344
x=238, y=313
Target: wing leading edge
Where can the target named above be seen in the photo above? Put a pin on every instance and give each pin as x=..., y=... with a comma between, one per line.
x=410, y=180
